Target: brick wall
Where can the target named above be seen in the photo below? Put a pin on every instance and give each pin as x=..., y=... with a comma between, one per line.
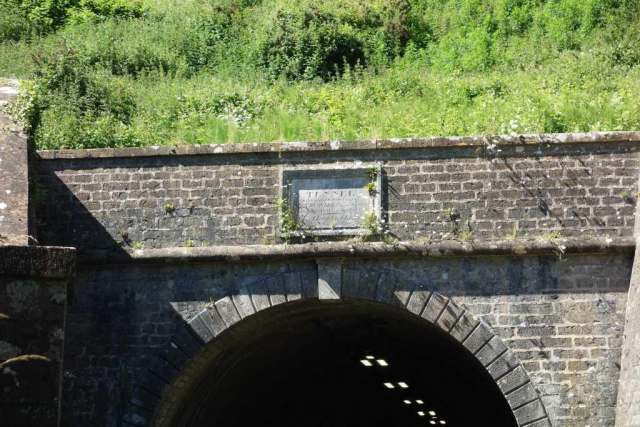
x=33, y=302
x=121, y=318
x=564, y=320
x=229, y=198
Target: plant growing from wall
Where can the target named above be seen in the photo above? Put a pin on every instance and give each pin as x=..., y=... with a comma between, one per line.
x=371, y=223
x=629, y=197
x=136, y=245
x=465, y=235
x=169, y=208
x=452, y=215
x=374, y=227
x=371, y=188
x=371, y=185
x=189, y=243
x=513, y=235
x=373, y=173
x=288, y=225
x=551, y=236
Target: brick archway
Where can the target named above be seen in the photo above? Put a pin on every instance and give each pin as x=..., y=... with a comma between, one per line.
x=149, y=404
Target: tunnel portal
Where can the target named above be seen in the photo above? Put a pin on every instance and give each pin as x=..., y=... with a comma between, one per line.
x=351, y=363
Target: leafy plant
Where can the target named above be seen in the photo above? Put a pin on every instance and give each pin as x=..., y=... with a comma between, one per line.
x=552, y=236
x=371, y=188
x=465, y=235
x=371, y=223
x=309, y=44
x=373, y=173
x=189, y=243
x=136, y=245
x=288, y=225
x=130, y=73
x=169, y=208
x=96, y=112
x=45, y=16
x=373, y=226
x=513, y=235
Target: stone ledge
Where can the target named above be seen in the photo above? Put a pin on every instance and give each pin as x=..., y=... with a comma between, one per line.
x=451, y=248
x=47, y=262
x=375, y=144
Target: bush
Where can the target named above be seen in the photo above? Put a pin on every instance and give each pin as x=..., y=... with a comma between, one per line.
x=99, y=10
x=125, y=48
x=68, y=107
x=45, y=16
x=234, y=106
x=308, y=45
x=207, y=37
x=117, y=74
x=14, y=26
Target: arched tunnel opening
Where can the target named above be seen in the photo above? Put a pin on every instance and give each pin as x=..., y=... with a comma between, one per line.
x=351, y=363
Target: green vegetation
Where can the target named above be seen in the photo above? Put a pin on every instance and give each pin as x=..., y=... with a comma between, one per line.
x=513, y=235
x=376, y=229
x=107, y=73
x=288, y=224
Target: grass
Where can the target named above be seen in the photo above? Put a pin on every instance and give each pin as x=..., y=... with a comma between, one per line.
x=214, y=72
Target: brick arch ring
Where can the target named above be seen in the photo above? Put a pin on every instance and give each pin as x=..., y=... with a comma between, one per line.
x=146, y=403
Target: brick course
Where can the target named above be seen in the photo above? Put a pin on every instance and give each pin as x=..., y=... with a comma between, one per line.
x=230, y=199
x=561, y=316
x=561, y=319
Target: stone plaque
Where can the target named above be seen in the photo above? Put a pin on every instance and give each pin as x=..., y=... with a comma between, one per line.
x=332, y=201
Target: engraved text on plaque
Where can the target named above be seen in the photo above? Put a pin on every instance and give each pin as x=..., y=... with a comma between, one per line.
x=331, y=202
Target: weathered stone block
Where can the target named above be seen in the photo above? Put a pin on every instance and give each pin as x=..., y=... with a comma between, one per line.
x=329, y=279
x=450, y=315
x=260, y=295
x=529, y=412
x=513, y=380
x=478, y=338
x=465, y=325
x=434, y=307
x=227, y=311
x=491, y=351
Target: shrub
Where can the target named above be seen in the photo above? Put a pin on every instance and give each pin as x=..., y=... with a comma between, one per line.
x=45, y=16
x=99, y=10
x=14, y=25
x=232, y=106
x=207, y=35
x=309, y=45
x=203, y=72
x=129, y=48
x=69, y=107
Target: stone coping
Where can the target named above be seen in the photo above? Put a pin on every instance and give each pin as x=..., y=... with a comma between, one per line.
x=490, y=142
x=346, y=249
x=48, y=262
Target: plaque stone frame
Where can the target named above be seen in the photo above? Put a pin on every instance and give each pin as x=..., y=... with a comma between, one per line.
x=331, y=201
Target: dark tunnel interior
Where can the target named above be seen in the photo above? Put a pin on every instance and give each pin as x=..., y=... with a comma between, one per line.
x=352, y=363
